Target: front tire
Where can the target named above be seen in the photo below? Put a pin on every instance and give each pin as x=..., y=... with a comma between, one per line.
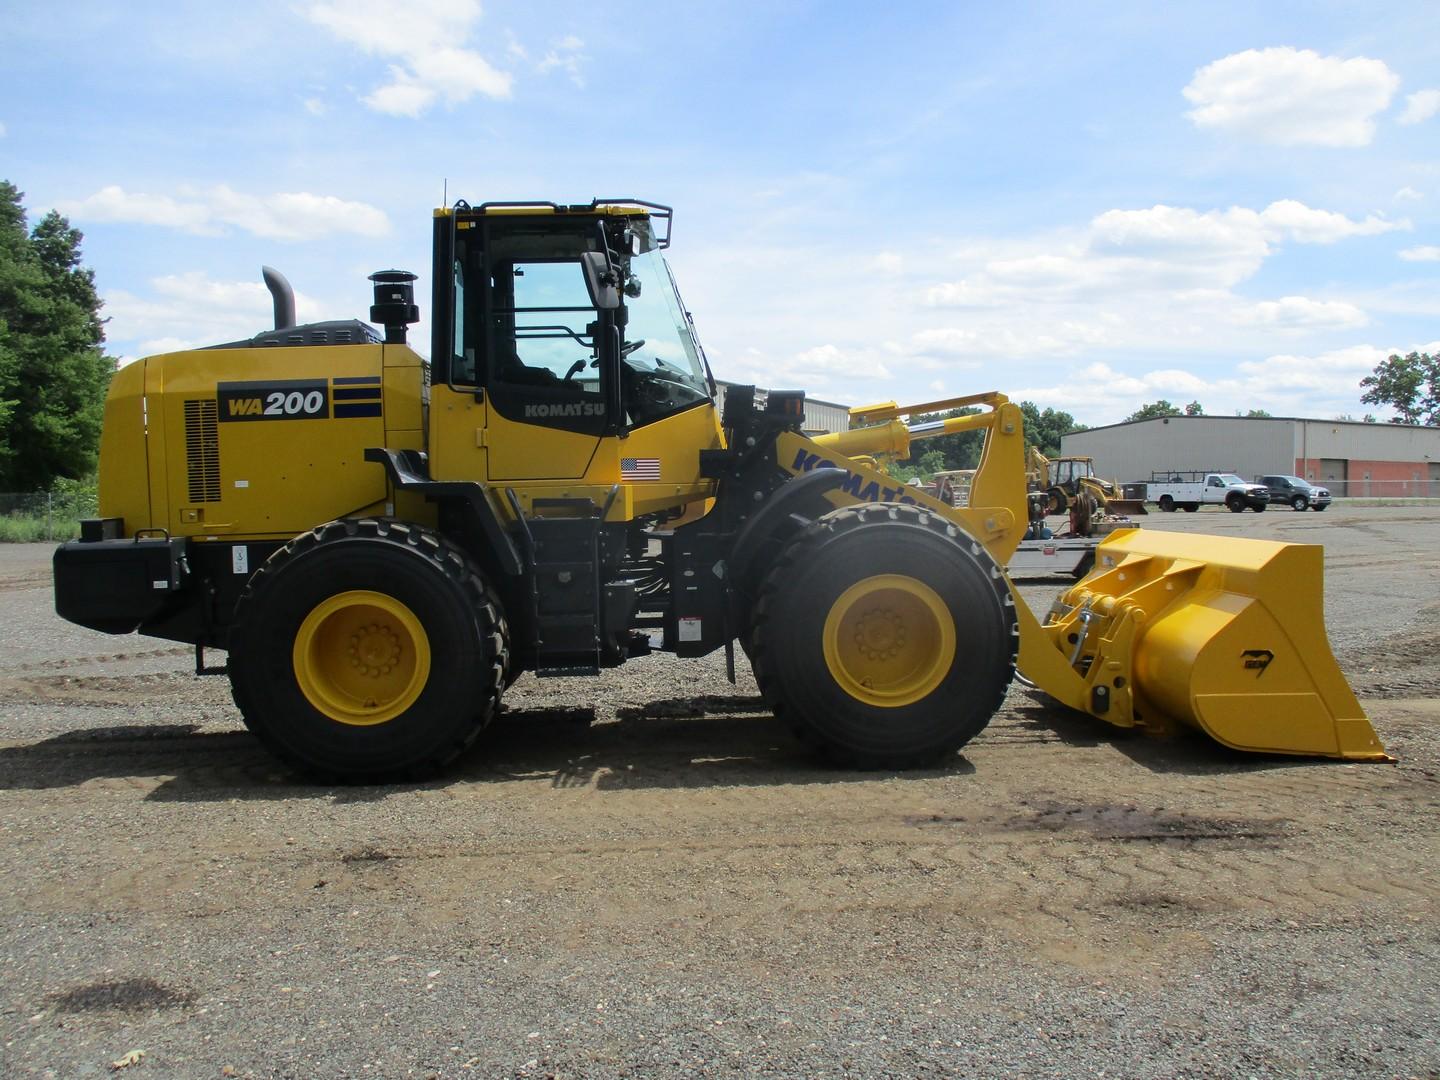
x=1236, y=504
x=885, y=636
x=367, y=649
x=1301, y=503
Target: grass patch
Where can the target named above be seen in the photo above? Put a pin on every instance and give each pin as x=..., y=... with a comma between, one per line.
x=47, y=516
x=31, y=529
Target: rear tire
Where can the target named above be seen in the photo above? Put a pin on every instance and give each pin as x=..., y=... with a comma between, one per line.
x=1083, y=513
x=885, y=636
x=367, y=649
x=1167, y=504
x=1057, y=501
x=1301, y=503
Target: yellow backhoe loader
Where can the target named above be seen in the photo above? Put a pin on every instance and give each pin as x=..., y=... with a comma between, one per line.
x=1071, y=486
x=383, y=545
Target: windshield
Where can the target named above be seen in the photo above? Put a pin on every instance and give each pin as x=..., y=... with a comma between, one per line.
x=1230, y=478
x=663, y=371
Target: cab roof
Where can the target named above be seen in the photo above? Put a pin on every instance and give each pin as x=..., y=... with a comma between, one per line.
x=613, y=207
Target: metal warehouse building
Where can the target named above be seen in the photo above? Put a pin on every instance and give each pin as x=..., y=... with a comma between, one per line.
x=1350, y=458
x=820, y=416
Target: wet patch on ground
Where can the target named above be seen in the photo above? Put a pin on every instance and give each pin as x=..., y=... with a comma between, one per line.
x=122, y=995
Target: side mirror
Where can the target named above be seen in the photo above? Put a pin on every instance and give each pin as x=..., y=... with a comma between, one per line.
x=600, y=280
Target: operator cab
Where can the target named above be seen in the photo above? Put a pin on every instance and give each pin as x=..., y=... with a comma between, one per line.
x=564, y=317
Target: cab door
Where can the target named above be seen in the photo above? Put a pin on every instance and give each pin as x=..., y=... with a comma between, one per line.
x=544, y=346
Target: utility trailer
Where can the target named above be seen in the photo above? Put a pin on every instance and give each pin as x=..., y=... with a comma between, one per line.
x=1067, y=556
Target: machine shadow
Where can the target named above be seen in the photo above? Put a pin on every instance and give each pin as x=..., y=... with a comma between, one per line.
x=664, y=744
x=1189, y=753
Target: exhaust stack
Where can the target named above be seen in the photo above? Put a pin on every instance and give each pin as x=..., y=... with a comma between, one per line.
x=282, y=294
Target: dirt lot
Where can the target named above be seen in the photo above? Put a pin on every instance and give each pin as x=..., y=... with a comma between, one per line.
x=675, y=889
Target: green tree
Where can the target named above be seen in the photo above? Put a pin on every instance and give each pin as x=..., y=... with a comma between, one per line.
x=1194, y=409
x=1253, y=413
x=53, y=371
x=1043, y=429
x=1408, y=384
x=1154, y=409
x=945, y=452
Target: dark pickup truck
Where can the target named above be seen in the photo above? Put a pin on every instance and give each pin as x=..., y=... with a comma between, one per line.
x=1295, y=492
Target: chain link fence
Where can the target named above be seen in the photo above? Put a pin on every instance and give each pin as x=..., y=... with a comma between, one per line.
x=44, y=516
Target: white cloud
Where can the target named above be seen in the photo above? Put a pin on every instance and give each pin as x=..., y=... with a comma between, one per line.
x=426, y=45
x=316, y=107
x=565, y=55
x=114, y=203
x=828, y=358
x=1424, y=253
x=955, y=344
x=283, y=216
x=1302, y=313
x=1159, y=249
x=404, y=95
x=1308, y=226
x=1336, y=373
x=1155, y=293
x=1282, y=384
x=1420, y=106
x=186, y=311
x=817, y=366
x=1407, y=194
x=156, y=346
x=1292, y=97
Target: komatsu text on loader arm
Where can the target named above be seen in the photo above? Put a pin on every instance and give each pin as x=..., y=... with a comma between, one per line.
x=383, y=545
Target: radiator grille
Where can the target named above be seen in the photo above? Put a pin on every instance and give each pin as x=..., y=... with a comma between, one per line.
x=202, y=451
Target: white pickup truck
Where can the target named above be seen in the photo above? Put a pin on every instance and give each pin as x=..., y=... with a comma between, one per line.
x=1190, y=491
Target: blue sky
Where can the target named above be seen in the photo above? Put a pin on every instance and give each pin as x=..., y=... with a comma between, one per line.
x=1090, y=206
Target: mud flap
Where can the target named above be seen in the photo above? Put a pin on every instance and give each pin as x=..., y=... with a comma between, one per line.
x=1222, y=634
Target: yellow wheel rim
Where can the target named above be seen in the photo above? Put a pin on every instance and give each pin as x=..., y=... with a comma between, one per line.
x=889, y=640
x=361, y=658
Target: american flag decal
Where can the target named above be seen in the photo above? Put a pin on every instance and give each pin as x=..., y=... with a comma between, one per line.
x=639, y=468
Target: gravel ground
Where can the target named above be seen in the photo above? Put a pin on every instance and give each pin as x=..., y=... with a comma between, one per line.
x=639, y=875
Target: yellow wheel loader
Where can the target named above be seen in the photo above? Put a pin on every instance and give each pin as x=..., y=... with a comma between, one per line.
x=383, y=545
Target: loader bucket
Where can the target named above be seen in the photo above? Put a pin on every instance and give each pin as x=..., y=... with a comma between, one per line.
x=1222, y=634
x=1126, y=507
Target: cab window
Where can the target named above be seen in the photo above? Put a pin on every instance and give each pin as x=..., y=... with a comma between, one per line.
x=543, y=326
